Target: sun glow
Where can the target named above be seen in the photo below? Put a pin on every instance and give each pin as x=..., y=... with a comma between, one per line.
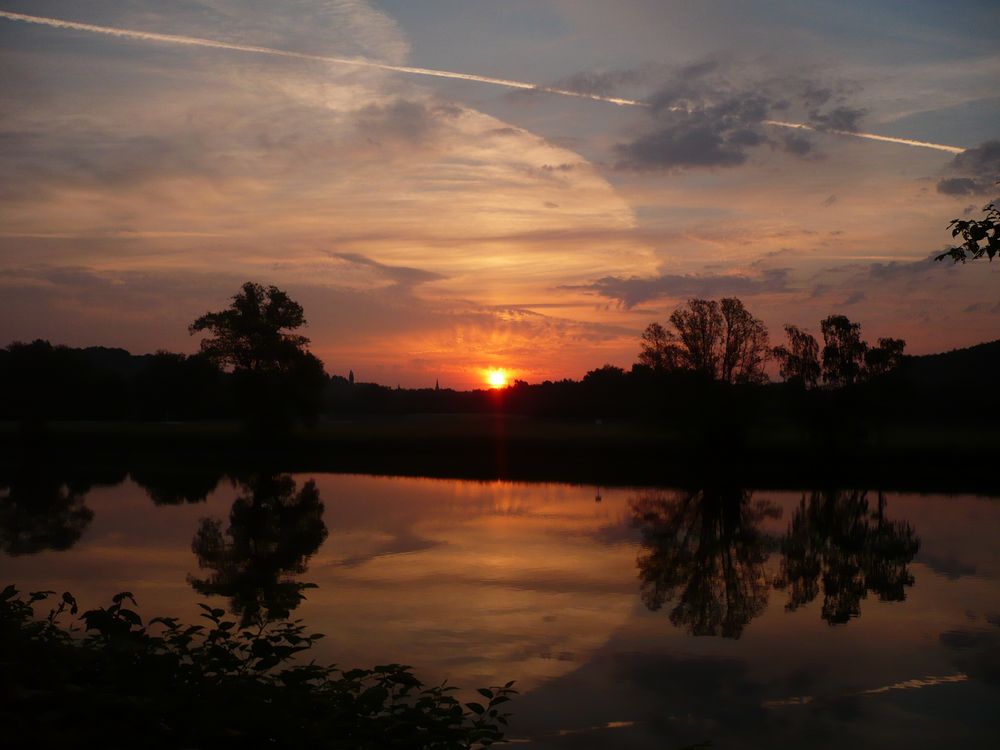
x=496, y=378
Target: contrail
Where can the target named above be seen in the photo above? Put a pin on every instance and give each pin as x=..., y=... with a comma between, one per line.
x=363, y=62
x=869, y=136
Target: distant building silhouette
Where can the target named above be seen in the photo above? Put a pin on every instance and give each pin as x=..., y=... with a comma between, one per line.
x=437, y=385
x=350, y=377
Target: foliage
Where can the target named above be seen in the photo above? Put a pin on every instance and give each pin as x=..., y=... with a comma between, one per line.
x=798, y=363
x=721, y=340
x=215, y=685
x=979, y=236
x=843, y=351
x=250, y=334
x=275, y=377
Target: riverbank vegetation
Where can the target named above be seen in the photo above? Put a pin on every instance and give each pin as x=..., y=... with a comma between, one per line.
x=107, y=679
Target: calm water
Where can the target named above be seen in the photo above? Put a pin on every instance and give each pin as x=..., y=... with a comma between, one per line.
x=634, y=618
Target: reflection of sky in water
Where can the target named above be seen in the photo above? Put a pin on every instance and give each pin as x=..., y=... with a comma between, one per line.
x=485, y=582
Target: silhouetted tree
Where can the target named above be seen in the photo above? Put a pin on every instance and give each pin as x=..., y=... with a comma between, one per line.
x=659, y=349
x=703, y=551
x=720, y=340
x=843, y=351
x=838, y=542
x=251, y=334
x=273, y=530
x=744, y=344
x=275, y=376
x=979, y=236
x=884, y=358
x=798, y=362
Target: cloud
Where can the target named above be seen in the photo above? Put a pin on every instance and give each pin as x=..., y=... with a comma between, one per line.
x=709, y=115
x=603, y=83
x=632, y=291
x=401, y=276
x=974, y=171
x=839, y=118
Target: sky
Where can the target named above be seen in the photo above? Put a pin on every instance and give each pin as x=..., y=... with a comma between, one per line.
x=435, y=228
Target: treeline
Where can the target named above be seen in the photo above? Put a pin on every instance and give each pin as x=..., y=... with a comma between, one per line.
x=707, y=364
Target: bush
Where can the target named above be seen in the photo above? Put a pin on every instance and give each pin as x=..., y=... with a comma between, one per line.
x=169, y=685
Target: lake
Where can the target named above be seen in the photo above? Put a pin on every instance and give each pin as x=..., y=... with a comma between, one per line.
x=629, y=617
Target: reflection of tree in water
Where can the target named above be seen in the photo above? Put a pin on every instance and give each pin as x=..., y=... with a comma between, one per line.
x=42, y=508
x=273, y=530
x=176, y=487
x=836, y=538
x=704, y=551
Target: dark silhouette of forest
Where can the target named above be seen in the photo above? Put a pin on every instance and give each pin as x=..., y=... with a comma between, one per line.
x=708, y=362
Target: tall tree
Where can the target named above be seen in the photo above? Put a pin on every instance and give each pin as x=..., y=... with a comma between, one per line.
x=744, y=344
x=884, y=358
x=276, y=378
x=720, y=340
x=699, y=328
x=843, y=351
x=251, y=335
x=799, y=361
x=659, y=349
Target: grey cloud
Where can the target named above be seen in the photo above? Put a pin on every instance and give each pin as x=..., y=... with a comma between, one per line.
x=603, y=83
x=855, y=298
x=716, y=135
x=403, y=276
x=958, y=186
x=701, y=119
x=402, y=120
x=838, y=118
x=633, y=291
x=975, y=171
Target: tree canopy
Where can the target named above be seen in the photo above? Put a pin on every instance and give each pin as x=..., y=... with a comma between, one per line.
x=721, y=340
x=251, y=334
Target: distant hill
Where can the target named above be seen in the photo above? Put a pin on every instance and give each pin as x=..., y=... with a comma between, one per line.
x=970, y=367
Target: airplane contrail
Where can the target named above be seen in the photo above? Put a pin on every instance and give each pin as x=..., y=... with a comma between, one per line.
x=192, y=41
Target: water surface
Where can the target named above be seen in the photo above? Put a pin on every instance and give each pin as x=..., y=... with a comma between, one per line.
x=641, y=617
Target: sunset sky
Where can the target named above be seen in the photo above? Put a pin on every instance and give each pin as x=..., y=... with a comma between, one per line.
x=435, y=228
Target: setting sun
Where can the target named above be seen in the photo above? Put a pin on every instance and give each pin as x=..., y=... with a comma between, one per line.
x=496, y=378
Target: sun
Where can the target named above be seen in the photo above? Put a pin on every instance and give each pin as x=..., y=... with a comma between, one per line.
x=496, y=378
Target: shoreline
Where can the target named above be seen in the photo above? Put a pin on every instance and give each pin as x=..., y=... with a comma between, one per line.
x=488, y=447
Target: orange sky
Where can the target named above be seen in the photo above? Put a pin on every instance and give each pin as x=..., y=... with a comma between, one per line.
x=436, y=230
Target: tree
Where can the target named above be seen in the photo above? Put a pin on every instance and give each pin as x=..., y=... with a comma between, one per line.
x=719, y=339
x=843, y=351
x=744, y=344
x=250, y=335
x=275, y=377
x=659, y=349
x=884, y=358
x=798, y=363
x=979, y=236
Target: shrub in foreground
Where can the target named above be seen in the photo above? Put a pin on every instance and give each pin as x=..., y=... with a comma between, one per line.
x=116, y=682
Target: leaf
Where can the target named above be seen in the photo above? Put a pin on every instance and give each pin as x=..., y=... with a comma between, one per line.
x=8, y=593
x=485, y=693
x=476, y=708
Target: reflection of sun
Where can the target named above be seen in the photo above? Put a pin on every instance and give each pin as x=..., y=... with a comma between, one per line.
x=496, y=378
